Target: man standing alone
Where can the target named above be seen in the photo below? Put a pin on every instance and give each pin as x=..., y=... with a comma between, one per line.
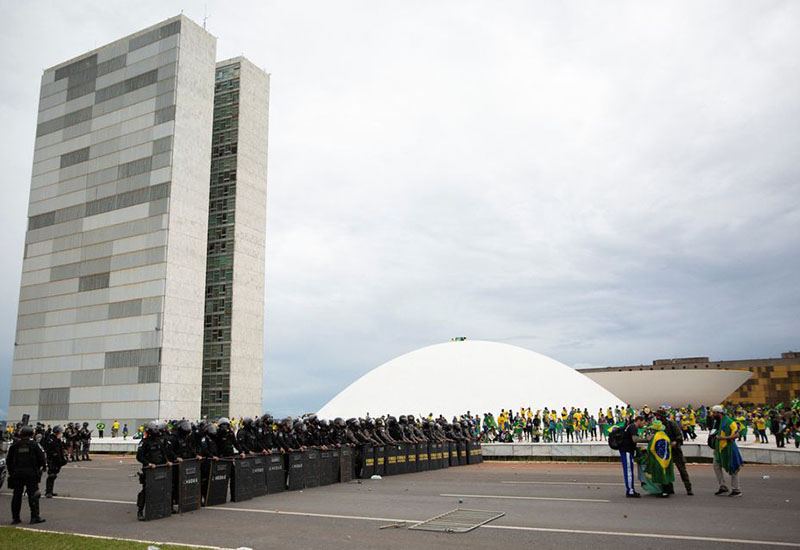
x=25, y=463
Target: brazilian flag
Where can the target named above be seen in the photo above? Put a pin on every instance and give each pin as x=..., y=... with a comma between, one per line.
x=608, y=427
x=659, y=459
x=726, y=452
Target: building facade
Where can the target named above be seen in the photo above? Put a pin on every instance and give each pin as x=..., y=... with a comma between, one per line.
x=773, y=380
x=111, y=313
x=234, y=319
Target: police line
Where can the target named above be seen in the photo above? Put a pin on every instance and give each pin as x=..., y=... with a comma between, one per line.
x=196, y=483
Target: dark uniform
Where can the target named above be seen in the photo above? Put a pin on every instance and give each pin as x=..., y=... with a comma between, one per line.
x=247, y=437
x=84, y=440
x=675, y=435
x=155, y=450
x=265, y=434
x=208, y=450
x=182, y=445
x=226, y=440
x=25, y=463
x=56, y=452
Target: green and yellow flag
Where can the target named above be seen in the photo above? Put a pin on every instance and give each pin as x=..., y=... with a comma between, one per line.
x=659, y=454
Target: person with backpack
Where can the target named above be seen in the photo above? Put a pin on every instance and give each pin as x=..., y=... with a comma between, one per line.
x=624, y=440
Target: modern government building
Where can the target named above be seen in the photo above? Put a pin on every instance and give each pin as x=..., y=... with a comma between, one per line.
x=142, y=291
x=142, y=284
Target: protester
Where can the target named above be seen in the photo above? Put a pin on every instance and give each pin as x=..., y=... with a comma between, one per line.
x=726, y=453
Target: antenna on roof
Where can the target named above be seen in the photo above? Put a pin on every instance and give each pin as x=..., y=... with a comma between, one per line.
x=205, y=15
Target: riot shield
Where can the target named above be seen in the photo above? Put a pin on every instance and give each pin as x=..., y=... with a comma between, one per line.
x=446, y=454
x=402, y=458
x=346, y=464
x=217, y=490
x=411, y=457
x=434, y=462
x=295, y=474
x=276, y=473
x=367, y=461
x=242, y=480
x=453, y=453
x=462, y=453
x=157, y=492
x=188, y=486
x=324, y=468
x=391, y=460
x=311, y=468
x=334, y=463
x=479, y=451
x=259, y=475
x=422, y=457
x=380, y=460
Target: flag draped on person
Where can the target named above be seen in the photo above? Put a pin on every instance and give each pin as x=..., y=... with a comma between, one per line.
x=726, y=451
x=659, y=458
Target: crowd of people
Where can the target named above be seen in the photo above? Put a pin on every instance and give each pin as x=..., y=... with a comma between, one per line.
x=575, y=425
x=650, y=438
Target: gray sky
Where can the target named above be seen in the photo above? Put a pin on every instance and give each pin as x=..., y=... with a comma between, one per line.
x=605, y=183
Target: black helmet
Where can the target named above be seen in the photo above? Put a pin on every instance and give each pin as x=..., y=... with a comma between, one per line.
x=211, y=429
x=247, y=421
x=69, y=424
x=352, y=422
x=338, y=422
x=287, y=422
x=224, y=424
x=58, y=429
x=267, y=419
x=403, y=419
x=85, y=424
x=298, y=425
x=152, y=427
x=185, y=427
x=26, y=431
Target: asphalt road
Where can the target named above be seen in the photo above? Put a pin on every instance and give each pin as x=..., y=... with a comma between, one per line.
x=546, y=505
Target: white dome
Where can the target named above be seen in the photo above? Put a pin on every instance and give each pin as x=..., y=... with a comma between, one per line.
x=471, y=375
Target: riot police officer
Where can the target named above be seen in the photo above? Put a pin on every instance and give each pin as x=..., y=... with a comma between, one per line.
x=153, y=451
x=265, y=435
x=56, y=452
x=226, y=440
x=209, y=452
x=84, y=440
x=246, y=437
x=25, y=462
x=182, y=445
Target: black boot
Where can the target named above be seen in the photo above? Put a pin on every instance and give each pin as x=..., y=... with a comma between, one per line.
x=33, y=501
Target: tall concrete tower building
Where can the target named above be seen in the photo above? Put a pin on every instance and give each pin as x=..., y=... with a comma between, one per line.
x=233, y=353
x=113, y=308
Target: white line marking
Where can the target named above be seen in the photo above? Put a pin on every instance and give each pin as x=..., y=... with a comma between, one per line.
x=560, y=483
x=157, y=543
x=644, y=535
x=526, y=498
x=88, y=468
x=506, y=527
x=310, y=514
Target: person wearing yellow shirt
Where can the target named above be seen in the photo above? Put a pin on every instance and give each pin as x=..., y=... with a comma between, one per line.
x=760, y=427
x=115, y=428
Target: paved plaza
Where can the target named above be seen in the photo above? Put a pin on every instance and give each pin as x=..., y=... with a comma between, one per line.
x=546, y=505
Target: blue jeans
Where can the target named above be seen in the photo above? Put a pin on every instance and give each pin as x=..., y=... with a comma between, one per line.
x=627, y=471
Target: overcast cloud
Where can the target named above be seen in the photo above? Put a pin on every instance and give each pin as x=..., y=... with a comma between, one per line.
x=605, y=183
